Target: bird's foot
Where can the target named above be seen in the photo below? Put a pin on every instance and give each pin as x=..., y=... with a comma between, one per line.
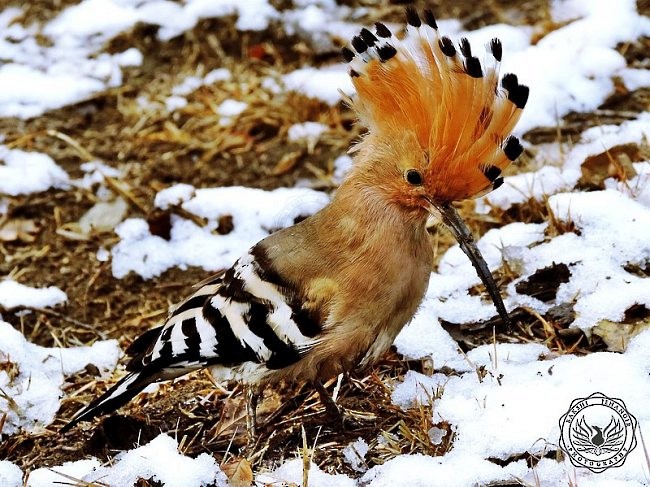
x=336, y=414
x=251, y=417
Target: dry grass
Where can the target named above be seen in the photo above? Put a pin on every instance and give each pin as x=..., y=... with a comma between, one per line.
x=154, y=150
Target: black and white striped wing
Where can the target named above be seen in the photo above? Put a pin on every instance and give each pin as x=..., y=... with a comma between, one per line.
x=247, y=319
x=243, y=315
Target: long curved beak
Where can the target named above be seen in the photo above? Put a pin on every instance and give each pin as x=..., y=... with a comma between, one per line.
x=456, y=225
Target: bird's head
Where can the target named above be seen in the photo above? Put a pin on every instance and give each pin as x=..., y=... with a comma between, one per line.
x=439, y=123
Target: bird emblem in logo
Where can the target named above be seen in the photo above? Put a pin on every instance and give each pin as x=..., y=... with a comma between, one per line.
x=598, y=432
x=598, y=440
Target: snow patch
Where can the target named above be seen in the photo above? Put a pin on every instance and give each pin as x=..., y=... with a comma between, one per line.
x=355, y=453
x=28, y=172
x=33, y=383
x=158, y=460
x=291, y=473
x=14, y=294
x=10, y=474
x=320, y=83
x=306, y=131
x=255, y=214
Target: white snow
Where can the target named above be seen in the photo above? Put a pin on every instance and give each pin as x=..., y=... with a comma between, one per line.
x=323, y=84
x=36, y=77
x=188, y=85
x=219, y=74
x=342, y=164
x=602, y=288
x=613, y=231
x=637, y=187
x=13, y=294
x=230, y=108
x=451, y=470
x=158, y=460
x=569, y=69
x=515, y=409
x=103, y=255
x=95, y=172
x=31, y=388
x=177, y=99
x=308, y=131
x=192, y=83
x=322, y=22
x=255, y=214
x=355, y=453
x=28, y=172
x=551, y=179
x=291, y=473
x=634, y=79
x=46, y=477
x=174, y=195
x=10, y=474
x=175, y=102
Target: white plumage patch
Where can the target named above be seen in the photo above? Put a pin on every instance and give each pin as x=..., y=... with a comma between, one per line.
x=280, y=316
x=234, y=312
x=207, y=336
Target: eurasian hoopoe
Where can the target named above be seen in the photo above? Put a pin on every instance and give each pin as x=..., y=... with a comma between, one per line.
x=332, y=292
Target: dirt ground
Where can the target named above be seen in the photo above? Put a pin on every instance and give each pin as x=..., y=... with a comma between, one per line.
x=155, y=150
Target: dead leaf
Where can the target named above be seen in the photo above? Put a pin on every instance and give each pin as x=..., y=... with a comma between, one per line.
x=615, y=162
x=257, y=51
x=544, y=283
x=286, y=163
x=19, y=229
x=103, y=216
x=226, y=225
x=239, y=472
x=617, y=335
x=160, y=223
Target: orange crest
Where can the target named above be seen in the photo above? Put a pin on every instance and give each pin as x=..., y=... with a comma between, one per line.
x=456, y=108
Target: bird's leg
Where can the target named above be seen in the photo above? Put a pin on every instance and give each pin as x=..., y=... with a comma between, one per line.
x=252, y=396
x=331, y=408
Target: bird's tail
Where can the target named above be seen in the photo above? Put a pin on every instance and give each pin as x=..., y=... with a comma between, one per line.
x=121, y=393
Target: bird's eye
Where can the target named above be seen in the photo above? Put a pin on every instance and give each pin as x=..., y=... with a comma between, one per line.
x=414, y=177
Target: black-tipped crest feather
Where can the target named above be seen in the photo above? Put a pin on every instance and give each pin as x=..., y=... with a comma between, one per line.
x=347, y=54
x=496, y=48
x=412, y=17
x=386, y=52
x=512, y=147
x=473, y=67
x=447, y=46
x=430, y=19
x=359, y=44
x=382, y=30
x=368, y=37
x=465, y=47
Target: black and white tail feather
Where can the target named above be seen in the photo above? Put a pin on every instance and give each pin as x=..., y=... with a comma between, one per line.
x=246, y=319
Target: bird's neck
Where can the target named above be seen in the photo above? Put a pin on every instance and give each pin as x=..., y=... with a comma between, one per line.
x=362, y=223
x=378, y=214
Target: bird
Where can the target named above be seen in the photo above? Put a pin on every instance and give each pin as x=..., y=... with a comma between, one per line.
x=329, y=294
